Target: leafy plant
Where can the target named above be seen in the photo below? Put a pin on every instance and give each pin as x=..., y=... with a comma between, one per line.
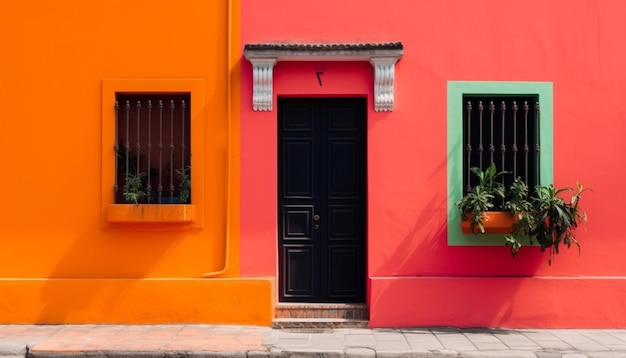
x=552, y=221
x=184, y=186
x=133, y=188
x=544, y=218
x=518, y=204
x=482, y=196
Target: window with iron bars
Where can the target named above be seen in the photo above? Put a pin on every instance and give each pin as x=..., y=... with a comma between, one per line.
x=502, y=130
x=152, y=149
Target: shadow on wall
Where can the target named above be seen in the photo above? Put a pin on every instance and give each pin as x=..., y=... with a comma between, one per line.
x=432, y=283
x=424, y=250
x=96, y=274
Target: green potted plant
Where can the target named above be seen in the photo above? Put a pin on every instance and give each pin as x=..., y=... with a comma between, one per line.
x=544, y=217
x=133, y=188
x=552, y=220
x=184, y=184
x=478, y=206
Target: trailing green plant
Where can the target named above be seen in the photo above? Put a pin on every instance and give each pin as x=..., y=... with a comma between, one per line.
x=542, y=217
x=133, y=188
x=519, y=205
x=482, y=197
x=184, y=186
x=552, y=221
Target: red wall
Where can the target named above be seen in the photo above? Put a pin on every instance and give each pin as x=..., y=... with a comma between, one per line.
x=416, y=279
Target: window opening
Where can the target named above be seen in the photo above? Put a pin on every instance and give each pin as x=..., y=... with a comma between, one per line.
x=152, y=149
x=502, y=130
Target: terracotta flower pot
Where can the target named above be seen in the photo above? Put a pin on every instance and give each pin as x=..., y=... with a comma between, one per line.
x=495, y=222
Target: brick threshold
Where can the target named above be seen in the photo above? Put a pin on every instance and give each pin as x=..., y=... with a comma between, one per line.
x=312, y=316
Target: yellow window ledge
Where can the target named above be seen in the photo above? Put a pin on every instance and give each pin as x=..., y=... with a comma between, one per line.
x=151, y=213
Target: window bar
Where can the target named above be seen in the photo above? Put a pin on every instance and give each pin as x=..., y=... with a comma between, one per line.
x=469, y=144
x=182, y=140
x=526, y=149
x=182, y=143
x=537, y=145
x=138, y=145
x=160, y=187
x=492, y=148
x=149, y=186
x=503, y=147
x=514, y=148
x=171, y=165
x=116, y=147
x=480, y=134
x=126, y=145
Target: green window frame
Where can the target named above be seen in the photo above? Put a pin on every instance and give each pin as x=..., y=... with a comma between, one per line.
x=456, y=90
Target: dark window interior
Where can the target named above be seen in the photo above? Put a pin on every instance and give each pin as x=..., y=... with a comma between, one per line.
x=153, y=142
x=498, y=130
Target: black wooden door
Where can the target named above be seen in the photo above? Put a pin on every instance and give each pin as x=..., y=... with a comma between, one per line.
x=321, y=203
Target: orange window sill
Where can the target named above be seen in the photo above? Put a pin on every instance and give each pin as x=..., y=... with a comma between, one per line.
x=151, y=213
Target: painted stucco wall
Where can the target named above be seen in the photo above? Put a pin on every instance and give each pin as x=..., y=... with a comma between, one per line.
x=415, y=277
x=61, y=261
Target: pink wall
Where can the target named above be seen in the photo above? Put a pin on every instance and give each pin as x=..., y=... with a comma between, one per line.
x=575, y=47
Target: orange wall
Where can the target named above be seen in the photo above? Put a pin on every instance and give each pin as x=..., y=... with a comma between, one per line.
x=410, y=265
x=58, y=172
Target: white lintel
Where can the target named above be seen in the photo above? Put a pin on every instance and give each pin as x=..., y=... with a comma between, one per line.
x=382, y=56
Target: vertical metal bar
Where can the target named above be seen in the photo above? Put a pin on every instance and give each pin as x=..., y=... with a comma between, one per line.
x=514, y=149
x=116, y=147
x=468, y=147
x=127, y=145
x=503, y=146
x=492, y=148
x=526, y=148
x=138, y=144
x=182, y=140
x=172, y=106
x=537, y=145
x=149, y=187
x=160, y=187
x=480, y=134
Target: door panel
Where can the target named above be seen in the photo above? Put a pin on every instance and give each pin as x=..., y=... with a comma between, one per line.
x=297, y=273
x=298, y=157
x=321, y=182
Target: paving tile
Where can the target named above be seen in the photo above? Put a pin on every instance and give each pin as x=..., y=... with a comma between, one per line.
x=481, y=337
x=548, y=354
x=13, y=329
x=293, y=342
x=364, y=331
x=554, y=345
x=359, y=340
x=579, y=341
x=360, y=352
x=606, y=354
x=392, y=345
x=543, y=335
x=423, y=342
x=456, y=341
x=516, y=341
x=497, y=354
x=12, y=349
x=603, y=337
x=490, y=346
x=327, y=341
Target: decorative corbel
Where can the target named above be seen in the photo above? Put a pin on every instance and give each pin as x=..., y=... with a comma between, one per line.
x=384, y=73
x=263, y=82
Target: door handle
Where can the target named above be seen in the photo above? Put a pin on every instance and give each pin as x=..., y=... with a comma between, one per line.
x=316, y=217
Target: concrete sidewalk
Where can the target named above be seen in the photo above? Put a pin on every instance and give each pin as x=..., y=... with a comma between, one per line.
x=249, y=341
